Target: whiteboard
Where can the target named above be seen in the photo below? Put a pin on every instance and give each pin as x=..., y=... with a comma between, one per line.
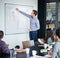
x=15, y=22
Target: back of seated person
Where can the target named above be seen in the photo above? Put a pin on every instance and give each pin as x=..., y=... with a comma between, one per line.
x=3, y=46
x=49, y=36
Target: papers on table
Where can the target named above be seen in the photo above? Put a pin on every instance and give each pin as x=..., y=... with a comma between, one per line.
x=46, y=56
x=47, y=47
x=53, y=43
x=43, y=50
x=37, y=56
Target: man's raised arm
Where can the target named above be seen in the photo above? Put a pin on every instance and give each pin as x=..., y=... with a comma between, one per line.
x=23, y=12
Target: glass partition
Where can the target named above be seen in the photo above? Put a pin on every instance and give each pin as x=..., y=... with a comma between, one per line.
x=51, y=16
x=59, y=14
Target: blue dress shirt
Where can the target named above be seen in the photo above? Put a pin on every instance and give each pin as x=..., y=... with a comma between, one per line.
x=34, y=22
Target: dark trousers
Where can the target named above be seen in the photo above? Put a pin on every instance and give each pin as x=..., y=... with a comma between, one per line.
x=33, y=36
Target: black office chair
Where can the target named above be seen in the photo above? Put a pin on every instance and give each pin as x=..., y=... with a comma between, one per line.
x=17, y=47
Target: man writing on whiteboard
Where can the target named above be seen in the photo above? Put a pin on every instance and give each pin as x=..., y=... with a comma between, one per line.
x=34, y=23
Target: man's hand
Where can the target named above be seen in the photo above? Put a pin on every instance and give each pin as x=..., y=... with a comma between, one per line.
x=30, y=30
x=17, y=9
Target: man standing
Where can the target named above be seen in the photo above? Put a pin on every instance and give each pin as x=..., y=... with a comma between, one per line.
x=34, y=23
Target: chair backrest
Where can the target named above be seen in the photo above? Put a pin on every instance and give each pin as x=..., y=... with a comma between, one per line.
x=27, y=44
x=17, y=47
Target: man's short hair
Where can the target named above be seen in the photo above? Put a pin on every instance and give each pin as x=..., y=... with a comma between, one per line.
x=1, y=34
x=58, y=32
x=35, y=12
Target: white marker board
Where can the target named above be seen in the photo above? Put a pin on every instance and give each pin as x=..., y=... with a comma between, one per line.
x=15, y=22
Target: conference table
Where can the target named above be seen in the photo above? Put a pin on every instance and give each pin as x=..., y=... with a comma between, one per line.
x=22, y=54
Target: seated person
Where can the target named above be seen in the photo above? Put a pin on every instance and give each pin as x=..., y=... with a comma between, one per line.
x=56, y=50
x=3, y=46
x=49, y=36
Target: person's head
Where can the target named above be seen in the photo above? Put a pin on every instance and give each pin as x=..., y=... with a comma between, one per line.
x=58, y=34
x=1, y=34
x=34, y=13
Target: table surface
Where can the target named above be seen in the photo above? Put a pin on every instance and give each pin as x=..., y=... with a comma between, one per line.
x=37, y=57
x=23, y=55
x=47, y=56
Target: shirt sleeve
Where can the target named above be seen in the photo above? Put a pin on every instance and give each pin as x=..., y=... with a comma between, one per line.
x=37, y=24
x=5, y=49
x=27, y=15
x=55, y=51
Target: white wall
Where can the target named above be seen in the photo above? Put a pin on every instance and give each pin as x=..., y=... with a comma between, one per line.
x=13, y=40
